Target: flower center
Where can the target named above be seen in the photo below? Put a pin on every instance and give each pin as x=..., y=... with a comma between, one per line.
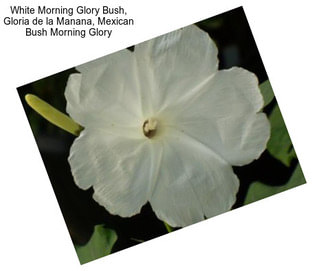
x=150, y=127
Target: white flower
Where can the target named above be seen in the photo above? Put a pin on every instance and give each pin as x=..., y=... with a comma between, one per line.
x=163, y=125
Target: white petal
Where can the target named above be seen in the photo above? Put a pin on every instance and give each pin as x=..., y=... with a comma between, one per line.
x=223, y=116
x=107, y=91
x=193, y=182
x=118, y=168
x=178, y=64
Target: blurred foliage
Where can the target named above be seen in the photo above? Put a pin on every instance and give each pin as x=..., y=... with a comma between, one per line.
x=267, y=92
x=100, y=244
x=280, y=145
x=258, y=190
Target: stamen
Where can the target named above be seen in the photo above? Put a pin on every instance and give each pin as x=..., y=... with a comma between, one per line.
x=150, y=127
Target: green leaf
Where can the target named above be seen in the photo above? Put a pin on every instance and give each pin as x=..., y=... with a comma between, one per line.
x=53, y=115
x=258, y=190
x=100, y=244
x=267, y=92
x=279, y=145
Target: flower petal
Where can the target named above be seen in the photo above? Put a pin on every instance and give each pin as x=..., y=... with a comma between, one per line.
x=116, y=167
x=223, y=116
x=193, y=182
x=106, y=91
x=178, y=64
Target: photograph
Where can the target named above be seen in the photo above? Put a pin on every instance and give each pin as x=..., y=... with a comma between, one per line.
x=161, y=135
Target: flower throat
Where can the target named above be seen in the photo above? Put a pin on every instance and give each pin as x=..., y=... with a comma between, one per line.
x=150, y=127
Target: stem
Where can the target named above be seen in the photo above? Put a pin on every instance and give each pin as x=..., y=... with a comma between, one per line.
x=168, y=228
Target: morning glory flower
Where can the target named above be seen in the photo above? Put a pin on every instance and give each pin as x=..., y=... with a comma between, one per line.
x=163, y=125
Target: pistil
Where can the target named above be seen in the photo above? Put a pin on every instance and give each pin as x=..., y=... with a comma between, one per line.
x=150, y=127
